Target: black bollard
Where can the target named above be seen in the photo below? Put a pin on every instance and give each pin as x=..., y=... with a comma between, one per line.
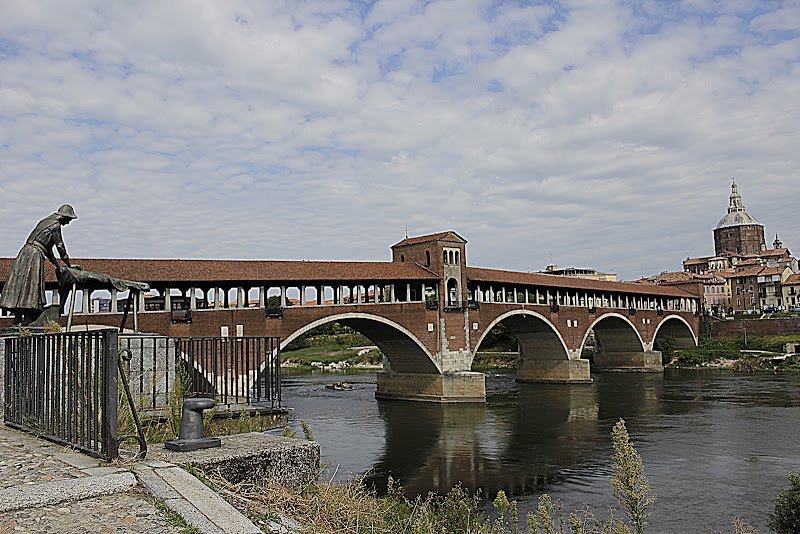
x=191, y=436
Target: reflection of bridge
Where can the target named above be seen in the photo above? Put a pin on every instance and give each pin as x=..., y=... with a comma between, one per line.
x=426, y=310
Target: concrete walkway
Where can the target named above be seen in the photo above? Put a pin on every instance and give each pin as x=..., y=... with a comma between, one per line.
x=47, y=488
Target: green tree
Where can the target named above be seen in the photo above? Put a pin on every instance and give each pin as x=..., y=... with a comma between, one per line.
x=786, y=517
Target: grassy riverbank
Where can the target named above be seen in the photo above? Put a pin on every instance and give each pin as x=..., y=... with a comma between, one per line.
x=332, y=343
x=749, y=354
x=334, y=506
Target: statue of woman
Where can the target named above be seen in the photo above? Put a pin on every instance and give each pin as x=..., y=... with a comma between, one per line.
x=23, y=292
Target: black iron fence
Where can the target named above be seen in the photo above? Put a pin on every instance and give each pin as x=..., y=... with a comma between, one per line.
x=63, y=387
x=234, y=370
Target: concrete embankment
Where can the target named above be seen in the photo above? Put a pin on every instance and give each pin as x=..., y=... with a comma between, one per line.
x=47, y=487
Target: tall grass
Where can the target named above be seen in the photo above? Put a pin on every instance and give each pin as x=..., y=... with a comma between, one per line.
x=334, y=506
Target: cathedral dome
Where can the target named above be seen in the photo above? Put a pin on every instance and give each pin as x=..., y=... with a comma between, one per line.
x=737, y=219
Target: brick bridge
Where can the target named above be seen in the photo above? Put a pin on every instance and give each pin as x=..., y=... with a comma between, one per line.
x=426, y=310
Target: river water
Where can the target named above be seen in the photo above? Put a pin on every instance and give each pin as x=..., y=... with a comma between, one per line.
x=715, y=444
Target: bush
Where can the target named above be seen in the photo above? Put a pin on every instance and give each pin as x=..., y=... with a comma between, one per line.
x=786, y=517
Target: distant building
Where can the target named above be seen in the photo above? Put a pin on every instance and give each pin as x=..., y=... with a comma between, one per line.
x=753, y=273
x=716, y=291
x=759, y=288
x=791, y=290
x=574, y=272
x=738, y=232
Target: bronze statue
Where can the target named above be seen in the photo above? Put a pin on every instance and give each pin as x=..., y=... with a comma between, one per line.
x=23, y=292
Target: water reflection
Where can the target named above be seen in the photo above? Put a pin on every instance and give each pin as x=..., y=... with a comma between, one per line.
x=723, y=442
x=545, y=428
x=430, y=448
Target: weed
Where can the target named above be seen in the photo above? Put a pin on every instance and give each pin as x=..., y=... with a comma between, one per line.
x=175, y=519
x=786, y=517
x=52, y=327
x=245, y=423
x=631, y=487
x=307, y=431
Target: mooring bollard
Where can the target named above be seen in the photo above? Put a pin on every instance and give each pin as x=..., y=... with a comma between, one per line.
x=191, y=436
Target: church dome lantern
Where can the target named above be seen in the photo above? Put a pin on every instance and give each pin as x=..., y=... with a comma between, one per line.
x=737, y=215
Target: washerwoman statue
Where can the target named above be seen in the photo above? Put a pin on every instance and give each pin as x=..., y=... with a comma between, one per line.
x=23, y=293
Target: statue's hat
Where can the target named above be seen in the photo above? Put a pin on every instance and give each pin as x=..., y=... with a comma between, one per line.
x=67, y=211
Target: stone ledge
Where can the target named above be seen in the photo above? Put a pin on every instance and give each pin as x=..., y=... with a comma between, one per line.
x=58, y=491
x=253, y=457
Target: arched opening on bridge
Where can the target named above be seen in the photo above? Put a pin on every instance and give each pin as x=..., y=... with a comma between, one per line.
x=614, y=333
x=536, y=338
x=619, y=347
x=673, y=333
x=401, y=349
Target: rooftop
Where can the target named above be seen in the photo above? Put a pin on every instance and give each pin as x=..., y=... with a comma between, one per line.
x=737, y=216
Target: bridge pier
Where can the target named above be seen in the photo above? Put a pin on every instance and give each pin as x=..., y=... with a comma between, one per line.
x=648, y=361
x=446, y=388
x=554, y=371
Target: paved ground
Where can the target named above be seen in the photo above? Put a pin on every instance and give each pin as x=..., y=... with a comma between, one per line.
x=28, y=464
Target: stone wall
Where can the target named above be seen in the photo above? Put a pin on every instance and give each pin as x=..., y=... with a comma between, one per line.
x=253, y=458
x=152, y=370
x=754, y=327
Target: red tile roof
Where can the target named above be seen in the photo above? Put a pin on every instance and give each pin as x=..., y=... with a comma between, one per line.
x=206, y=271
x=759, y=271
x=753, y=271
x=431, y=237
x=775, y=252
x=476, y=274
x=792, y=280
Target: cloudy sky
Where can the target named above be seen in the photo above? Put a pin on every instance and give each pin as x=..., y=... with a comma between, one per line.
x=583, y=133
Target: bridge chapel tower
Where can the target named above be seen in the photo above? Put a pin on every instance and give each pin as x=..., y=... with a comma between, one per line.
x=444, y=254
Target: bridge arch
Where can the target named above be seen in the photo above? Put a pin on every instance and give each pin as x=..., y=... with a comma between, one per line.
x=537, y=336
x=677, y=327
x=614, y=333
x=405, y=353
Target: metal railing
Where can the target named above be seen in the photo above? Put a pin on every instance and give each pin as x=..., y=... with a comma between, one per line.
x=63, y=387
x=235, y=370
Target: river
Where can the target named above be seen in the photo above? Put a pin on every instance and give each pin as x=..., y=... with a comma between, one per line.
x=715, y=444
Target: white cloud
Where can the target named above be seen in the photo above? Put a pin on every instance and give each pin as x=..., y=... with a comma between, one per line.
x=581, y=132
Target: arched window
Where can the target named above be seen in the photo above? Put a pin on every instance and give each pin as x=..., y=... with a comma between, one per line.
x=453, y=297
x=402, y=258
x=428, y=258
x=451, y=257
x=458, y=259
x=445, y=256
